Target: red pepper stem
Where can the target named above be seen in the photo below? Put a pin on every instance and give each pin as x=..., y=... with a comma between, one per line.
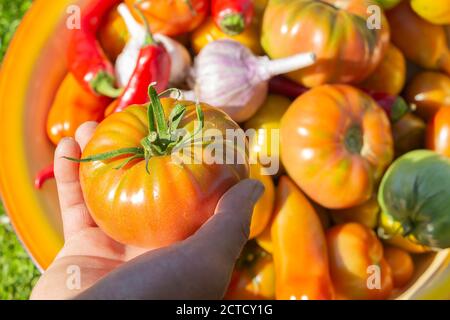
x=149, y=39
x=232, y=24
x=103, y=84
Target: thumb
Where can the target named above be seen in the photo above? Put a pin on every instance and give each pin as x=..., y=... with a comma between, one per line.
x=227, y=231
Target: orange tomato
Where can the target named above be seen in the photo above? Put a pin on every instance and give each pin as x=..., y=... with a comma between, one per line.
x=408, y=133
x=358, y=268
x=113, y=34
x=365, y=214
x=401, y=264
x=336, y=31
x=390, y=75
x=438, y=132
x=171, y=17
x=420, y=41
x=253, y=277
x=72, y=106
x=264, y=207
x=429, y=91
x=208, y=32
x=136, y=206
x=336, y=143
x=299, y=247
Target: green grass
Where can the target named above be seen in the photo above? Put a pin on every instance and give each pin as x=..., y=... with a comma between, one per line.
x=17, y=272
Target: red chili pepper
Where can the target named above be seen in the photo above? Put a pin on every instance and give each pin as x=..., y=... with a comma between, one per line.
x=87, y=60
x=232, y=16
x=394, y=106
x=44, y=175
x=288, y=88
x=153, y=66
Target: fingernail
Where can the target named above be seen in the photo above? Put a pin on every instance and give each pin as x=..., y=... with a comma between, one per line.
x=258, y=190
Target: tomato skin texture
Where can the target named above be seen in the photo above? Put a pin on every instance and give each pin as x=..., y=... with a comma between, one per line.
x=171, y=17
x=264, y=207
x=347, y=51
x=421, y=42
x=414, y=196
x=299, y=247
x=401, y=264
x=429, y=91
x=436, y=11
x=438, y=132
x=353, y=248
x=390, y=75
x=73, y=105
x=138, y=208
x=336, y=143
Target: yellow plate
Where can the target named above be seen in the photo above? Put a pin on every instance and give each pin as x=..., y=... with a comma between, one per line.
x=32, y=70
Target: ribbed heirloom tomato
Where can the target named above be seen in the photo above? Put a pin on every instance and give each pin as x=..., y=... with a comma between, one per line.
x=336, y=143
x=135, y=189
x=336, y=31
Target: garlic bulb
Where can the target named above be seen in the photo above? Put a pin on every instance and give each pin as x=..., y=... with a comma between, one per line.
x=126, y=61
x=227, y=75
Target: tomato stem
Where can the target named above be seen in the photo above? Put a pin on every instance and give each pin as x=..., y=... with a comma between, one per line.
x=354, y=139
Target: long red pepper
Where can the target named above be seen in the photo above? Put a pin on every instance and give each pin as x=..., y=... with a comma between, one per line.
x=232, y=16
x=87, y=60
x=153, y=66
x=44, y=175
x=394, y=106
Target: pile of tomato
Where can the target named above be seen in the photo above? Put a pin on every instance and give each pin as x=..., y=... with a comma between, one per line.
x=363, y=184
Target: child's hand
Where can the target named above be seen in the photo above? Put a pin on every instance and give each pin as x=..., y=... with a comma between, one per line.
x=197, y=268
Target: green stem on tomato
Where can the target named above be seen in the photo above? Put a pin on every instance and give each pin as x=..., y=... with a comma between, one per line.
x=161, y=139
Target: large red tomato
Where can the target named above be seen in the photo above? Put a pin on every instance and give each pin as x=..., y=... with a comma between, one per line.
x=336, y=143
x=336, y=31
x=166, y=200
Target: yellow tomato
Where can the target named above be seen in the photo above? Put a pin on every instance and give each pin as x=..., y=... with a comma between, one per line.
x=264, y=207
x=209, y=32
x=435, y=11
x=265, y=144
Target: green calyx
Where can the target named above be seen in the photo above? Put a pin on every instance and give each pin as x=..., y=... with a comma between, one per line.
x=399, y=109
x=163, y=136
x=103, y=84
x=232, y=24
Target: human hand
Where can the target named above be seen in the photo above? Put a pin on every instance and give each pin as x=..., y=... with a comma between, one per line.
x=199, y=267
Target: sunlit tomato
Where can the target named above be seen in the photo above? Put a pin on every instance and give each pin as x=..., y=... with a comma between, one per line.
x=113, y=34
x=389, y=76
x=299, y=247
x=408, y=133
x=421, y=42
x=436, y=11
x=336, y=143
x=401, y=264
x=438, y=133
x=336, y=31
x=265, y=144
x=365, y=214
x=253, y=277
x=358, y=268
x=264, y=207
x=208, y=32
x=171, y=17
x=177, y=194
x=429, y=91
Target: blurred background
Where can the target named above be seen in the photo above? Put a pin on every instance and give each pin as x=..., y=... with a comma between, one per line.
x=17, y=272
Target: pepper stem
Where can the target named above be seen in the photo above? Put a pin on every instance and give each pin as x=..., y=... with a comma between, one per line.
x=103, y=84
x=232, y=24
x=148, y=34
